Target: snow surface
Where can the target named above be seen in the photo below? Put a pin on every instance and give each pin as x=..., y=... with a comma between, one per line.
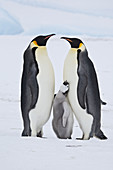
x=17, y=153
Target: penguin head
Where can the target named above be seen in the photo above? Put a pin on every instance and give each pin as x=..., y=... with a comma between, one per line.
x=40, y=41
x=65, y=88
x=75, y=43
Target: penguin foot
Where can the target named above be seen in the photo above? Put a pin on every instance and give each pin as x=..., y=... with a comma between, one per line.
x=79, y=138
x=70, y=137
x=101, y=135
x=25, y=133
x=39, y=134
x=83, y=138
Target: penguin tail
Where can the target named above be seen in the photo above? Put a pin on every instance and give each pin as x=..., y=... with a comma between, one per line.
x=100, y=135
x=103, y=103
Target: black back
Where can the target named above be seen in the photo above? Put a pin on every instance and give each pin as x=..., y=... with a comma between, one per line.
x=29, y=87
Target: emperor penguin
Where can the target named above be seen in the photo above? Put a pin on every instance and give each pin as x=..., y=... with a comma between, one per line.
x=84, y=95
x=62, y=113
x=37, y=87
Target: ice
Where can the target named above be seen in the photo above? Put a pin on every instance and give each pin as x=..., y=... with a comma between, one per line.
x=71, y=18
x=8, y=24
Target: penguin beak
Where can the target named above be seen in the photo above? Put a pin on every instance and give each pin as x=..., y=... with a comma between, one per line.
x=66, y=39
x=48, y=36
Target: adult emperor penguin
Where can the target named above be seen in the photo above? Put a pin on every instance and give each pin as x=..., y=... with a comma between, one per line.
x=37, y=87
x=62, y=113
x=84, y=95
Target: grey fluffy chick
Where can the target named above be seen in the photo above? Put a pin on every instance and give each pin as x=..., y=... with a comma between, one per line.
x=62, y=114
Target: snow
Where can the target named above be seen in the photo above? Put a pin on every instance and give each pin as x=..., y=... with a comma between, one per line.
x=50, y=152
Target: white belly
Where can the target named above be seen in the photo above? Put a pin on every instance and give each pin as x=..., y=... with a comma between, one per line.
x=70, y=74
x=46, y=82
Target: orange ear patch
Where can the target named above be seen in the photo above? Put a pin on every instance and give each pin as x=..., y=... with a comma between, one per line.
x=35, y=43
x=80, y=45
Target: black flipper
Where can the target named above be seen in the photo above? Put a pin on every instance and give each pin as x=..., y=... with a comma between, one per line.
x=29, y=88
x=82, y=82
x=81, y=90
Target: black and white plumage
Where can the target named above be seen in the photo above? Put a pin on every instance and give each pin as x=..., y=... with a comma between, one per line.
x=84, y=95
x=37, y=87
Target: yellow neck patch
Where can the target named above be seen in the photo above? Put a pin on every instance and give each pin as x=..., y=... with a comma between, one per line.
x=35, y=43
x=80, y=45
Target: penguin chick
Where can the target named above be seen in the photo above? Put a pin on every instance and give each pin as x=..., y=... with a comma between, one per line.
x=62, y=114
